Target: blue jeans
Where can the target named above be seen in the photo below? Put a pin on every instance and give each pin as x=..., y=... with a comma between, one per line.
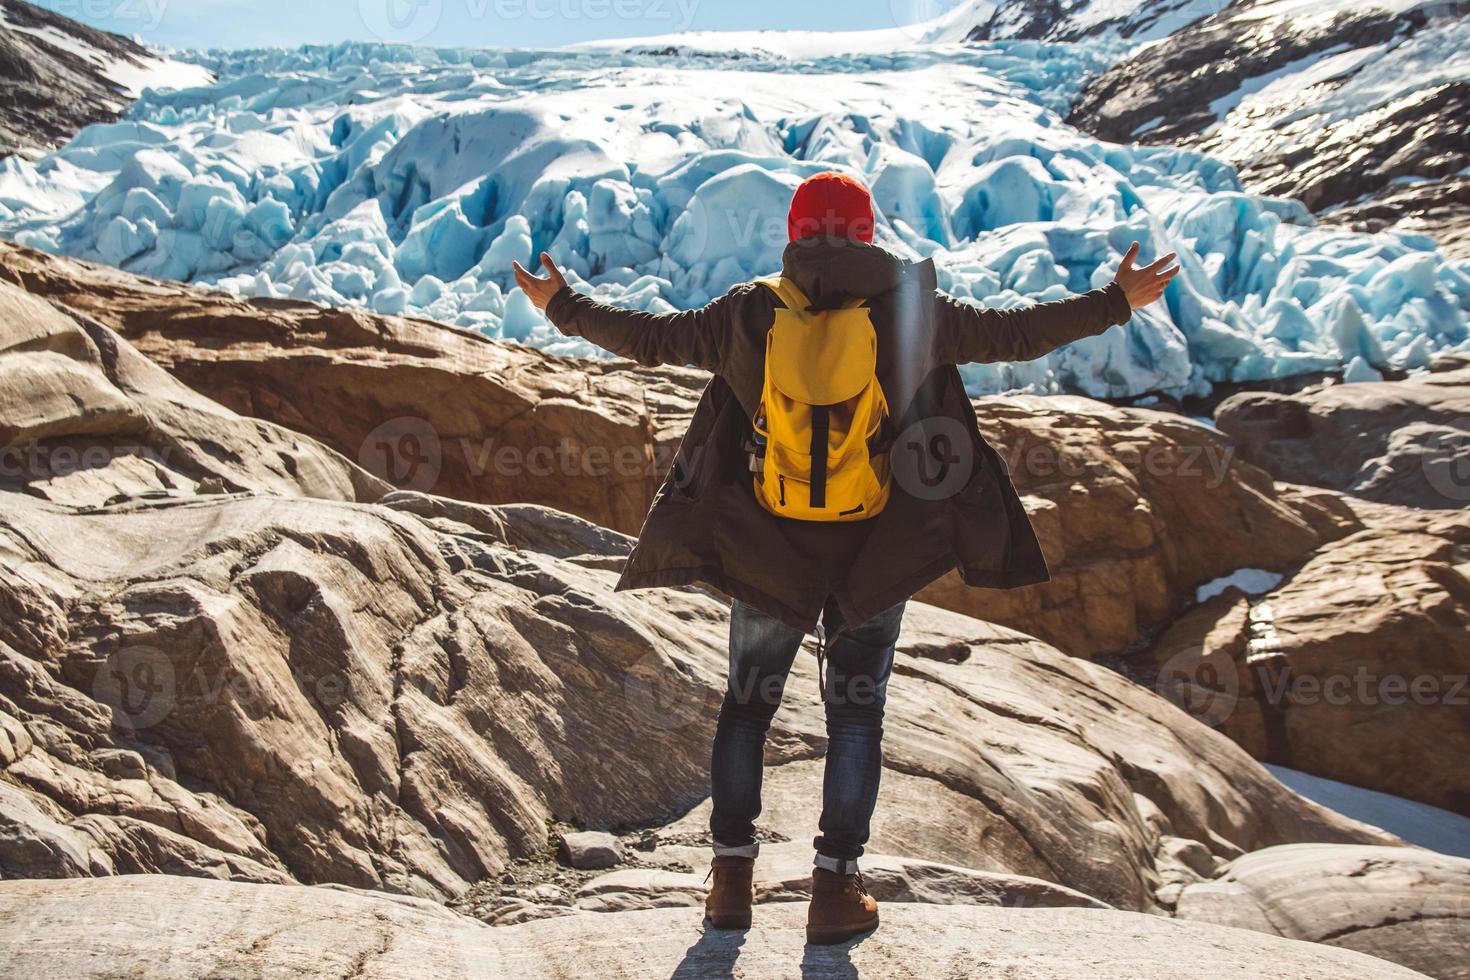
x=859, y=661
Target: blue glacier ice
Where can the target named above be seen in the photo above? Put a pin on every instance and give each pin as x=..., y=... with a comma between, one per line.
x=406, y=180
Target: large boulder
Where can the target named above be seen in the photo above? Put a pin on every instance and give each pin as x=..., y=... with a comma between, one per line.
x=1135, y=508
x=176, y=928
x=1401, y=442
x=1354, y=668
x=1401, y=904
x=1119, y=496
x=392, y=701
x=84, y=418
x=424, y=406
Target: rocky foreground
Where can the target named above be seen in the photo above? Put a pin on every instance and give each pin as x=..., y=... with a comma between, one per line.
x=234, y=664
x=1136, y=509
x=103, y=928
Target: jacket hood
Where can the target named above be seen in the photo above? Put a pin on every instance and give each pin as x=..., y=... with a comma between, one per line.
x=831, y=271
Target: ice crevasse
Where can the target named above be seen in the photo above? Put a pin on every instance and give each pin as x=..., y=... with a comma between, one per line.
x=406, y=180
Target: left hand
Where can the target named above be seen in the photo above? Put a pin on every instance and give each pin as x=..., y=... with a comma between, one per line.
x=540, y=289
x=1144, y=286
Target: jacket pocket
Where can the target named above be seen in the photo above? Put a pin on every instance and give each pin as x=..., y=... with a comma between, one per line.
x=690, y=476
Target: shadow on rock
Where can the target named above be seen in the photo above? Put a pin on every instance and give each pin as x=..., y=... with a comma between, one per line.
x=831, y=962
x=712, y=956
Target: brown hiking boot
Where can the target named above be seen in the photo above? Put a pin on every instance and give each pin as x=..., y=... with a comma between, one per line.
x=841, y=908
x=727, y=906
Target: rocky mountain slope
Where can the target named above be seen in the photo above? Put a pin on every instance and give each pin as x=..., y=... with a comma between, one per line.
x=57, y=76
x=1073, y=20
x=1354, y=109
x=228, y=652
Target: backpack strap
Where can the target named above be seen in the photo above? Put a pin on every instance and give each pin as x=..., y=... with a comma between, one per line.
x=793, y=298
x=787, y=292
x=821, y=422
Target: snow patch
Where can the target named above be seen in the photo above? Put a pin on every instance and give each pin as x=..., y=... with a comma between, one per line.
x=132, y=76
x=1251, y=581
x=1418, y=823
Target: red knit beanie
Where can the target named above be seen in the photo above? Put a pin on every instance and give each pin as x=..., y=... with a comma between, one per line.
x=831, y=204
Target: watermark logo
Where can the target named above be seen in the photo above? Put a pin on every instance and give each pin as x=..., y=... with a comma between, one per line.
x=401, y=21
x=659, y=694
x=915, y=18
x=1205, y=685
x=1209, y=463
x=934, y=458
x=1366, y=688
x=139, y=685
x=404, y=451
x=412, y=21
x=35, y=460
x=1446, y=465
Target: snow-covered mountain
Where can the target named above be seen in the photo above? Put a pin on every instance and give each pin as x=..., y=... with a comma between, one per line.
x=57, y=75
x=1355, y=107
x=1072, y=20
x=407, y=179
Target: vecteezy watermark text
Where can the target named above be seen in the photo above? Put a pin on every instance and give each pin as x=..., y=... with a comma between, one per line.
x=139, y=16
x=144, y=686
x=33, y=459
x=411, y=21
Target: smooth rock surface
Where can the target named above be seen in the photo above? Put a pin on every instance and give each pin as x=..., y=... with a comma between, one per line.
x=421, y=405
x=85, y=419
x=1135, y=508
x=1399, y=442
x=112, y=927
x=1405, y=905
x=1356, y=668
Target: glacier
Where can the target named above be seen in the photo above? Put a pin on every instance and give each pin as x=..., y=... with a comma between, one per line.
x=406, y=180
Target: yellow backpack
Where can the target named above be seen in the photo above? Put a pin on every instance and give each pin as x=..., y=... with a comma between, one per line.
x=821, y=411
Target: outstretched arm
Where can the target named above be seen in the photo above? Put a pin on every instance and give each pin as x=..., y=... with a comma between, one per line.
x=695, y=337
x=968, y=333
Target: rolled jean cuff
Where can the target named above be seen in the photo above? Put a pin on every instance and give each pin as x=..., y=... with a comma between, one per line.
x=839, y=866
x=743, y=851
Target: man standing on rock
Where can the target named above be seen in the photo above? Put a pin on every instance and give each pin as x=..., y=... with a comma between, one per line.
x=832, y=469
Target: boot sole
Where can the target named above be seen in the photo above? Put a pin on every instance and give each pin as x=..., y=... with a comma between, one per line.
x=833, y=936
x=736, y=920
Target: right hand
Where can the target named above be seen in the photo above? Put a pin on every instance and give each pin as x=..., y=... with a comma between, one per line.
x=1144, y=286
x=540, y=289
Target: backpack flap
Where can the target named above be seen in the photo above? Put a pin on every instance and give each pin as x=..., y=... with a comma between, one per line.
x=822, y=358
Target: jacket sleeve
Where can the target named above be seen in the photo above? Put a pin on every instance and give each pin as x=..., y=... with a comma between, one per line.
x=698, y=337
x=966, y=333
